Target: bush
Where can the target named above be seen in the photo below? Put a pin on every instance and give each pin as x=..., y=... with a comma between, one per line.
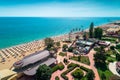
x=70, y=49
x=63, y=76
x=57, y=78
x=55, y=68
x=60, y=66
x=78, y=73
x=118, y=46
x=65, y=60
x=65, y=47
x=110, y=60
x=58, y=44
x=97, y=49
x=72, y=65
x=112, y=47
x=62, y=54
x=84, y=68
x=90, y=75
x=103, y=76
x=117, y=57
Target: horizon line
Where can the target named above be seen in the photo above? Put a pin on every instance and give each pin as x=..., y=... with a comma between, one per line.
x=60, y=16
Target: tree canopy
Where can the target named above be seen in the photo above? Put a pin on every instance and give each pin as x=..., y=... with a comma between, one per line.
x=91, y=29
x=103, y=76
x=117, y=57
x=90, y=75
x=65, y=46
x=99, y=59
x=43, y=73
x=49, y=42
x=98, y=32
x=58, y=44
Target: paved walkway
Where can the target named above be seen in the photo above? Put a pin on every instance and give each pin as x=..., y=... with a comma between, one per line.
x=60, y=59
x=92, y=63
x=58, y=73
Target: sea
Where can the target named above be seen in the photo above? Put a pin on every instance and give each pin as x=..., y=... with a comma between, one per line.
x=20, y=30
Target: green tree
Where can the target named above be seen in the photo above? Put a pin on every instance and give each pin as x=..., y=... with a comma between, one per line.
x=103, y=77
x=79, y=58
x=112, y=47
x=117, y=57
x=99, y=59
x=49, y=43
x=70, y=49
x=58, y=44
x=90, y=75
x=102, y=50
x=98, y=32
x=85, y=36
x=43, y=72
x=91, y=33
x=65, y=60
x=65, y=46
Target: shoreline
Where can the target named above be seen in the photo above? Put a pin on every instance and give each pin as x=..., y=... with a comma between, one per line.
x=60, y=35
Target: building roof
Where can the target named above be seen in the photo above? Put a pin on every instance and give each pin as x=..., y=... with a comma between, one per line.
x=6, y=73
x=87, y=48
x=32, y=71
x=32, y=58
x=85, y=42
x=118, y=64
x=106, y=43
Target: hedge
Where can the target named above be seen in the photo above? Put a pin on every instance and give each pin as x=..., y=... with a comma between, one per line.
x=78, y=73
x=70, y=67
x=60, y=66
x=85, y=69
x=88, y=72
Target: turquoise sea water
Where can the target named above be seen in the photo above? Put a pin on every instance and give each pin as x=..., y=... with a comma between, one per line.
x=17, y=30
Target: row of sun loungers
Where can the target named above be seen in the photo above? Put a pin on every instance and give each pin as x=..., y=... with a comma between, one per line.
x=19, y=50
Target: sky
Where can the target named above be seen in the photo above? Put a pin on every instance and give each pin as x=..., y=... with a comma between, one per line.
x=59, y=8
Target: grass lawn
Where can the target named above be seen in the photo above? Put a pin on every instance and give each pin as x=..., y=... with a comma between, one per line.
x=107, y=73
x=109, y=57
x=110, y=39
x=118, y=50
x=62, y=54
x=83, y=59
